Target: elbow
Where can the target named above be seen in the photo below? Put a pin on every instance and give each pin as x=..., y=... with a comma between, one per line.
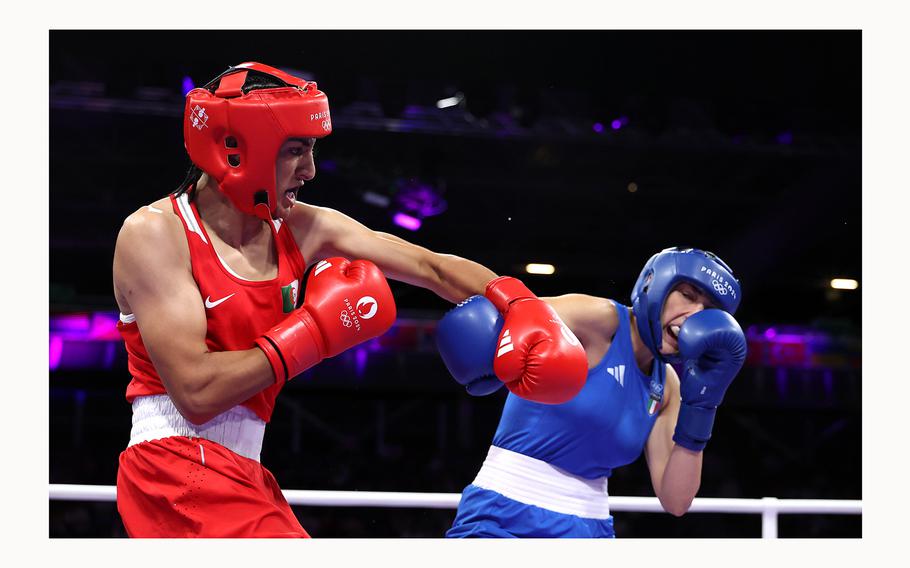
x=192, y=403
x=676, y=507
x=197, y=418
x=677, y=510
x=195, y=411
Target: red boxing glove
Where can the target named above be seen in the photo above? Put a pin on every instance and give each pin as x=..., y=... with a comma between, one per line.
x=538, y=358
x=346, y=303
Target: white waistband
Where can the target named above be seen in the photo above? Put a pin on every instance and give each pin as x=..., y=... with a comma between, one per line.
x=535, y=482
x=238, y=429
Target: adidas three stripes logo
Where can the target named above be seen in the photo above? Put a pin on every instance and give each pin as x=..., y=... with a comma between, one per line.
x=505, y=344
x=619, y=373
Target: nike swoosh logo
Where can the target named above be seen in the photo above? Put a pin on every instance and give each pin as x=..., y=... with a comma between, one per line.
x=210, y=304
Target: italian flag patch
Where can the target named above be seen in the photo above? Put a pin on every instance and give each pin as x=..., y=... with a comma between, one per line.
x=652, y=407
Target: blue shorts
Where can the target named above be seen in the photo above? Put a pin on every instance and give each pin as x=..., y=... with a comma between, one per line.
x=486, y=514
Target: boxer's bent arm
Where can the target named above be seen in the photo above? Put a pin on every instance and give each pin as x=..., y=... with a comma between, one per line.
x=675, y=470
x=592, y=319
x=450, y=277
x=152, y=272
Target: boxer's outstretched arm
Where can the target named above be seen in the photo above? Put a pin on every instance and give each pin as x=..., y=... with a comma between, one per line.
x=675, y=471
x=152, y=275
x=324, y=232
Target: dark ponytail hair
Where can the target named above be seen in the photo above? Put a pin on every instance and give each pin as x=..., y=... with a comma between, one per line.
x=188, y=185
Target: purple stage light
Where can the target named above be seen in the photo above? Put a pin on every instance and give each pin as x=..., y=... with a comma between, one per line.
x=770, y=333
x=785, y=138
x=187, y=85
x=406, y=221
x=360, y=361
x=420, y=199
x=56, y=351
x=781, y=381
x=110, y=355
x=598, y=127
x=78, y=324
x=616, y=124
x=104, y=326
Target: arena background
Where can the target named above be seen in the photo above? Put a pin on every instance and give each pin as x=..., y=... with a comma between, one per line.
x=589, y=150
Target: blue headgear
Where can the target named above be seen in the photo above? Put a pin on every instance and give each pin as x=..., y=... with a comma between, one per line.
x=666, y=269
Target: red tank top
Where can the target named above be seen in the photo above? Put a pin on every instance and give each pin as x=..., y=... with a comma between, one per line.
x=237, y=310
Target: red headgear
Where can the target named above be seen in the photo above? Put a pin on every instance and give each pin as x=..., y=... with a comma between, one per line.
x=234, y=134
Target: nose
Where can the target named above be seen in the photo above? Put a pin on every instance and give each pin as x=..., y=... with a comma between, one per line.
x=306, y=167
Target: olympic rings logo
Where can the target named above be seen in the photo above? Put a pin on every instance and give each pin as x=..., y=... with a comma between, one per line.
x=346, y=319
x=721, y=289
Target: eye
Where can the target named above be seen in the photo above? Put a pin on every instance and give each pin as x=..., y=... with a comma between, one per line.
x=688, y=293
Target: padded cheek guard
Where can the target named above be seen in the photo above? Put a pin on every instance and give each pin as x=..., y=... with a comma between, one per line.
x=234, y=136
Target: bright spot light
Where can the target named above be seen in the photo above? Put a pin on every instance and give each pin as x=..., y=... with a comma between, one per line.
x=535, y=268
x=844, y=284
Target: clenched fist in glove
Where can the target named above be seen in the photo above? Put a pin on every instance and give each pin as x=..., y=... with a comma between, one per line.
x=537, y=356
x=346, y=303
x=713, y=348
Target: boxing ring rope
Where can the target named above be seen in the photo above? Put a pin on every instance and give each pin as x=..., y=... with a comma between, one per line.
x=768, y=507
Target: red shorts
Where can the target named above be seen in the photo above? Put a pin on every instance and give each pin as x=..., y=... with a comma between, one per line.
x=192, y=487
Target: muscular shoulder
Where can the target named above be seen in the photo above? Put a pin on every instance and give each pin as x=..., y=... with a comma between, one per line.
x=151, y=231
x=150, y=248
x=311, y=224
x=322, y=232
x=154, y=220
x=589, y=317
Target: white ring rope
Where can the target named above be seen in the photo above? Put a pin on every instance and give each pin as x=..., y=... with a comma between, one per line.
x=63, y=492
x=769, y=507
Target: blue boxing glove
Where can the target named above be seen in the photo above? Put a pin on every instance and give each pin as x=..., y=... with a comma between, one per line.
x=467, y=337
x=713, y=348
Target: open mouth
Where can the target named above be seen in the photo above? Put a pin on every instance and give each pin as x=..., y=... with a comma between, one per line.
x=673, y=332
x=291, y=195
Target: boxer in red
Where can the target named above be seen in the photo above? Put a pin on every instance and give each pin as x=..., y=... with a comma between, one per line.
x=208, y=281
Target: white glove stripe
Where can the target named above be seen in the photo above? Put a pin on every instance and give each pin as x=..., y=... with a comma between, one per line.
x=322, y=266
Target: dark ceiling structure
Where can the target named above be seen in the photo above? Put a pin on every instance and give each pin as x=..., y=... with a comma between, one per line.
x=589, y=150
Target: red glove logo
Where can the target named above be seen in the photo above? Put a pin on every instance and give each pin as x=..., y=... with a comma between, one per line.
x=367, y=307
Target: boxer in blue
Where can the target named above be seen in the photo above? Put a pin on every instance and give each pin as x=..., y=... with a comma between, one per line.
x=546, y=472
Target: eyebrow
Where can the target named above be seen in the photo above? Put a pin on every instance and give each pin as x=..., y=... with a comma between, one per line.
x=708, y=299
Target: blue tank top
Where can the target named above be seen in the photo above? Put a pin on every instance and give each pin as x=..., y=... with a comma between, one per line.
x=606, y=425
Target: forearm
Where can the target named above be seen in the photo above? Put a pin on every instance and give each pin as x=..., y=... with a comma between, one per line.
x=217, y=382
x=448, y=276
x=459, y=278
x=680, y=480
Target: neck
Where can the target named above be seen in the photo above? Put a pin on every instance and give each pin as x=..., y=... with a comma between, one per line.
x=643, y=355
x=232, y=226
